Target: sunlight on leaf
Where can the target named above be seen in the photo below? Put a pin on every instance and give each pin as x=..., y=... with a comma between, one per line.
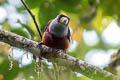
x=1, y=77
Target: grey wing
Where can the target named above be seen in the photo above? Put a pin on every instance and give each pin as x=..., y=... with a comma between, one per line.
x=69, y=34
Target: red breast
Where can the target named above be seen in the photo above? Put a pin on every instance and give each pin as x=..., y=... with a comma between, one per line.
x=54, y=42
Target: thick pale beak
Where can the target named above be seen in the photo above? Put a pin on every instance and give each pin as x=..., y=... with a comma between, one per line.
x=64, y=20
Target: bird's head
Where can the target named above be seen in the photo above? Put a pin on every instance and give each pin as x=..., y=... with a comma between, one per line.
x=59, y=25
x=63, y=19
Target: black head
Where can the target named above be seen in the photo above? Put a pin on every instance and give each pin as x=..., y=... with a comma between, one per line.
x=63, y=19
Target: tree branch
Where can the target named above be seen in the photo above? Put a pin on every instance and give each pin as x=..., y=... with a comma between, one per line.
x=52, y=55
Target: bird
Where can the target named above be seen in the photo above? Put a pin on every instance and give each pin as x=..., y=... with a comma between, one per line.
x=57, y=33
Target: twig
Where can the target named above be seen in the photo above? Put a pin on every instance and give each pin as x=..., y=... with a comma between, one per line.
x=33, y=17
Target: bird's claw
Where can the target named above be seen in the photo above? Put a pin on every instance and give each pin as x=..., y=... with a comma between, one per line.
x=61, y=51
x=40, y=43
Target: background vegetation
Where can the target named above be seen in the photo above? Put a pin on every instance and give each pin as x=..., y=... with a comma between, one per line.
x=95, y=33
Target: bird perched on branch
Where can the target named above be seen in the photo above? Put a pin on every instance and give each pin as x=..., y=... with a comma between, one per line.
x=57, y=33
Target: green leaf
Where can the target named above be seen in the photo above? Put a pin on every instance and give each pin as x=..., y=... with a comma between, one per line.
x=33, y=3
x=110, y=7
x=19, y=31
x=30, y=30
x=67, y=5
x=9, y=74
x=47, y=12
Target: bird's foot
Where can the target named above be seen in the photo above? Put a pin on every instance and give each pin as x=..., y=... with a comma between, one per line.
x=61, y=51
x=40, y=43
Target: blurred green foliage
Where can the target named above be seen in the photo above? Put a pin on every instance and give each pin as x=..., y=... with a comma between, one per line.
x=87, y=13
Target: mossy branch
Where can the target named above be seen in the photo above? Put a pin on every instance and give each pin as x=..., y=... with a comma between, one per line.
x=52, y=55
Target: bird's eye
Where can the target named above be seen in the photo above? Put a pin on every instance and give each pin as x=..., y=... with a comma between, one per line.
x=63, y=20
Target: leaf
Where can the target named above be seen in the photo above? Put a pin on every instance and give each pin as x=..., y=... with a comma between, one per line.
x=8, y=74
x=1, y=59
x=19, y=31
x=110, y=7
x=1, y=77
x=33, y=3
x=118, y=20
x=47, y=12
x=81, y=77
x=100, y=22
x=67, y=5
x=77, y=35
x=30, y=30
